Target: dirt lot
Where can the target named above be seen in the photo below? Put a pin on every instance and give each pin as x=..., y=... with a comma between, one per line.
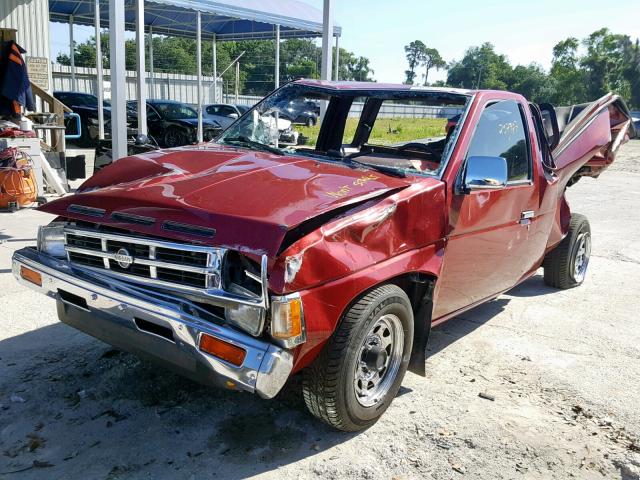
x=562, y=367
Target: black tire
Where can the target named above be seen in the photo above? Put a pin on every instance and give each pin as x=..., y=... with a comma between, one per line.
x=310, y=122
x=560, y=267
x=174, y=137
x=329, y=384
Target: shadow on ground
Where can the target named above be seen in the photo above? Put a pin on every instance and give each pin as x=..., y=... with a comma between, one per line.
x=446, y=334
x=71, y=406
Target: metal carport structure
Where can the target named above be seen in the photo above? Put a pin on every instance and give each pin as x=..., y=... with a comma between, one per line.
x=217, y=20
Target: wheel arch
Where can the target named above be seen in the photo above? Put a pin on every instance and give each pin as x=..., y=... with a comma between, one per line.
x=419, y=287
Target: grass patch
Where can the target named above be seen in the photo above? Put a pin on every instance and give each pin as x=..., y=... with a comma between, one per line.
x=386, y=131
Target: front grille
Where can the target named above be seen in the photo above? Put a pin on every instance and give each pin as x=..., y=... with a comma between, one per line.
x=144, y=259
x=134, y=249
x=134, y=269
x=84, y=242
x=183, y=278
x=198, y=259
x=84, y=259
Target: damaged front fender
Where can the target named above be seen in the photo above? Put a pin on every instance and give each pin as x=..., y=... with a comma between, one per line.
x=406, y=220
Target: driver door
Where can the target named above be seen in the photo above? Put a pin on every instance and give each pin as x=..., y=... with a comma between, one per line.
x=489, y=246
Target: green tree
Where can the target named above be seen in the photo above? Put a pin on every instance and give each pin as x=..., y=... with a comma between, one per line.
x=567, y=74
x=432, y=59
x=359, y=69
x=581, y=71
x=631, y=54
x=415, y=53
x=85, y=53
x=299, y=58
x=532, y=82
x=604, y=64
x=481, y=67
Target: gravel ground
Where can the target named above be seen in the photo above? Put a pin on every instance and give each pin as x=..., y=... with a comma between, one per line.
x=561, y=370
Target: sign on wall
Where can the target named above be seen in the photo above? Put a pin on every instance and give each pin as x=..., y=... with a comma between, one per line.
x=38, y=68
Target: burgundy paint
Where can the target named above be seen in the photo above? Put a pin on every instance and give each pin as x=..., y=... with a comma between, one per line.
x=474, y=244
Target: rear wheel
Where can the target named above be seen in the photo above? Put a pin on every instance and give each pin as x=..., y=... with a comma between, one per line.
x=358, y=374
x=566, y=265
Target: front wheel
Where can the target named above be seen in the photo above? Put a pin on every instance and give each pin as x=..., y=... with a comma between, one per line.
x=566, y=265
x=175, y=137
x=358, y=374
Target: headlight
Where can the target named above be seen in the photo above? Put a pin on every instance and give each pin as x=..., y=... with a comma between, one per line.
x=51, y=240
x=92, y=121
x=248, y=318
x=241, y=277
x=287, y=321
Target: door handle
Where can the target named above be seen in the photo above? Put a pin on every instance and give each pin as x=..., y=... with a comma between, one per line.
x=526, y=216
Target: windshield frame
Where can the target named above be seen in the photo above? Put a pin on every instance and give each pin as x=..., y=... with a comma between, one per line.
x=462, y=99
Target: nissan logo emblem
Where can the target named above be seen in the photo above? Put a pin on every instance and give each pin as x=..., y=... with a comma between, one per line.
x=123, y=258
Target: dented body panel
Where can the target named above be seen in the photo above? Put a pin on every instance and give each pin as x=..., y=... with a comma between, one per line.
x=407, y=220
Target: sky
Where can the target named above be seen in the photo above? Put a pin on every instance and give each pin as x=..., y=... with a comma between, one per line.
x=525, y=31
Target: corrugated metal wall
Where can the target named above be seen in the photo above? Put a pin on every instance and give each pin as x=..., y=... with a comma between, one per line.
x=31, y=19
x=165, y=85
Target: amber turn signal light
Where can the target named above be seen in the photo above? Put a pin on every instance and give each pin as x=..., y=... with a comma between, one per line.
x=287, y=321
x=221, y=349
x=30, y=275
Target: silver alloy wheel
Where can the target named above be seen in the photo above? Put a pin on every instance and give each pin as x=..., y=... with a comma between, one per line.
x=378, y=360
x=583, y=252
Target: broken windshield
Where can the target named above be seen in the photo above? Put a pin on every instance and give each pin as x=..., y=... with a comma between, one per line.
x=396, y=131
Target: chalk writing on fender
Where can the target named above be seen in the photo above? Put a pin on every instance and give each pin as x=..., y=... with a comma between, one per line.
x=359, y=182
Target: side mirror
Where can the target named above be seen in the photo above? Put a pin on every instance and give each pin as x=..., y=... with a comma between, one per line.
x=485, y=173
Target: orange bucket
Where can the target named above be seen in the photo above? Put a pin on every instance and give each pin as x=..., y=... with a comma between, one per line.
x=18, y=184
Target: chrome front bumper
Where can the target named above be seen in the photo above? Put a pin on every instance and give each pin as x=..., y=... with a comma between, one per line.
x=120, y=314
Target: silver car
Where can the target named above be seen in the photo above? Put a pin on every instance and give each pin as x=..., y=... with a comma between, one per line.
x=224, y=113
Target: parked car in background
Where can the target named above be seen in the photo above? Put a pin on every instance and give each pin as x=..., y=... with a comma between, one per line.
x=86, y=106
x=224, y=113
x=173, y=124
x=244, y=261
x=136, y=144
x=302, y=111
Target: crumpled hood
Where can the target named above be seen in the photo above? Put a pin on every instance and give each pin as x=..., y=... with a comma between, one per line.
x=250, y=198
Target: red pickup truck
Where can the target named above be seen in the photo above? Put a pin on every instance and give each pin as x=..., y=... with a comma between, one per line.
x=243, y=261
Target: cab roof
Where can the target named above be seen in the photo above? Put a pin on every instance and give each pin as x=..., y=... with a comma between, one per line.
x=399, y=87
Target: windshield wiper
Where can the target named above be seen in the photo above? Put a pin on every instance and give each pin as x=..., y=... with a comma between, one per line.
x=379, y=168
x=245, y=142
